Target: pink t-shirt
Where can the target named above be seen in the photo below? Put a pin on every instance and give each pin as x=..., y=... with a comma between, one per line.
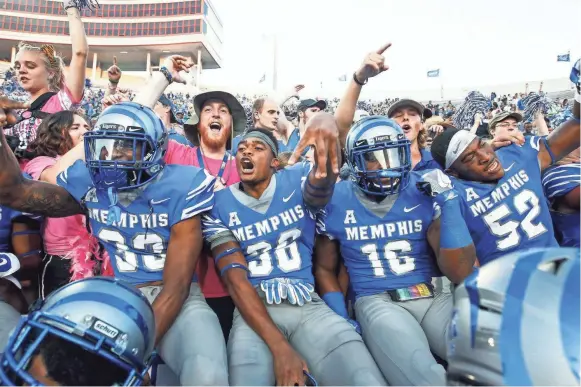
x=27, y=128
x=177, y=153
x=59, y=234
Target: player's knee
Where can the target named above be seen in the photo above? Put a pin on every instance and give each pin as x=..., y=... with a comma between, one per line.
x=202, y=371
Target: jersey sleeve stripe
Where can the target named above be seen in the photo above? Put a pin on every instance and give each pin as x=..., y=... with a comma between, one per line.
x=206, y=184
x=198, y=207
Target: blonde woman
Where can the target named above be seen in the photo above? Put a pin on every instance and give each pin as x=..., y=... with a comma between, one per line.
x=40, y=71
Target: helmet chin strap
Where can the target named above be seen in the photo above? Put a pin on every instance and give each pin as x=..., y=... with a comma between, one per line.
x=114, y=214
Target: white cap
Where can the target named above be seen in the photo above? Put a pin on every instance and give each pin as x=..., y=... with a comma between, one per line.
x=359, y=114
x=9, y=264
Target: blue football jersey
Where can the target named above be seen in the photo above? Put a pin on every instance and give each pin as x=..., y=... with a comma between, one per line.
x=512, y=214
x=382, y=250
x=137, y=243
x=558, y=181
x=275, y=232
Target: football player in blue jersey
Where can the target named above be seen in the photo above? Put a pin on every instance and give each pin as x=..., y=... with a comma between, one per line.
x=388, y=232
x=147, y=216
x=262, y=233
x=93, y=332
x=501, y=191
x=561, y=184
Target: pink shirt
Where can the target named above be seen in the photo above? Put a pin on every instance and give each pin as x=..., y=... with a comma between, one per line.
x=27, y=128
x=59, y=234
x=177, y=153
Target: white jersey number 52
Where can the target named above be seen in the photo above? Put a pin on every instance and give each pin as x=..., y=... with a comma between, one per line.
x=508, y=233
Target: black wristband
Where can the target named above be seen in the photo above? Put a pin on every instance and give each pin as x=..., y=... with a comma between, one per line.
x=166, y=74
x=357, y=80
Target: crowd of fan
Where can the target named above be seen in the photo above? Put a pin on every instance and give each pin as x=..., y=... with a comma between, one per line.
x=49, y=136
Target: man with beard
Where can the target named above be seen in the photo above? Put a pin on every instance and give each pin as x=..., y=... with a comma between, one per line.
x=219, y=113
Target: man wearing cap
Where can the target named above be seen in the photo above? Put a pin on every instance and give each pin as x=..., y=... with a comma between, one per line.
x=407, y=113
x=504, y=124
x=500, y=192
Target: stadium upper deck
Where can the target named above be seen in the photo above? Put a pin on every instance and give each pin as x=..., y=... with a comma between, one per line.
x=140, y=33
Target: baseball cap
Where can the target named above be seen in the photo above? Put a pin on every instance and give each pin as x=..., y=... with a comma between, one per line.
x=503, y=116
x=9, y=264
x=308, y=103
x=165, y=101
x=404, y=103
x=359, y=114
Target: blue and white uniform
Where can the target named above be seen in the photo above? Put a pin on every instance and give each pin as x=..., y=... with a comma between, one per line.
x=558, y=181
x=385, y=247
x=133, y=202
x=511, y=214
x=276, y=233
x=381, y=222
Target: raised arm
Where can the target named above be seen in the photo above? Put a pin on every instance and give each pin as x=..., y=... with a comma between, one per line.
x=562, y=141
x=322, y=133
x=373, y=64
x=29, y=195
x=565, y=139
x=159, y=80
x=230, y=261
x=75, y=79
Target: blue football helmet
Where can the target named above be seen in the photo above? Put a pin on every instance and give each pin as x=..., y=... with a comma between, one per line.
x=516, y=321
x=379, y=156
x=125, y=149
x=102, y=315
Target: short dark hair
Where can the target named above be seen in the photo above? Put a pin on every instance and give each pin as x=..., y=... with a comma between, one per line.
x=71, y=365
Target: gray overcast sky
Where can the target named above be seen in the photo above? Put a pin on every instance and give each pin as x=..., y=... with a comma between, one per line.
x=473, y=42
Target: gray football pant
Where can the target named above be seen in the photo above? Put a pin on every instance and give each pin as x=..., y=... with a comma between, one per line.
x=193, y=348
x=400, y=335
x=9, y=318
x=333, y=351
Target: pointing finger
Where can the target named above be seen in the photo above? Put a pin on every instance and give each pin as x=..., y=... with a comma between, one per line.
x=383, y=48
x=114, y=61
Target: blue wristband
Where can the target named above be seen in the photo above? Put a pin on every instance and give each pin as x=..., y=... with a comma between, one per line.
x=234, y=265
x=226, y=253
x=454, y=233
x=336, y=302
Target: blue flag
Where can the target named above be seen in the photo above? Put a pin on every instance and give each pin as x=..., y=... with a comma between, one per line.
x=434, y=73
x=564, y=58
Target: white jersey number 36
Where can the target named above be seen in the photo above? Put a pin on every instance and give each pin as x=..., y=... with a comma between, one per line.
x=508, y=233
x=286, y=252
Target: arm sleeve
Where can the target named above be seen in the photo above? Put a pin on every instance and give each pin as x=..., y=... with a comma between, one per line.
x=559, y=180
x=76, y=180
x=198, y=199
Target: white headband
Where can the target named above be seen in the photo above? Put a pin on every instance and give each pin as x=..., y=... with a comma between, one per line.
x=458, y=143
